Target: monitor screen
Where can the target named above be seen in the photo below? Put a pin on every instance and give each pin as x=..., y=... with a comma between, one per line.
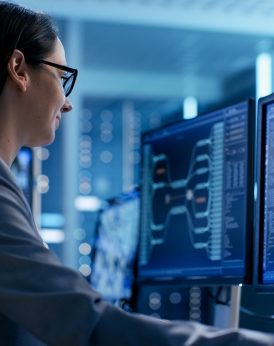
x=22, y=168
x=264, y=221
x=115, y=248
x=197, y=199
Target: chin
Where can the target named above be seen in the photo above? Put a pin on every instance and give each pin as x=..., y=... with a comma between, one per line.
x=39, y=142
x=49, y=141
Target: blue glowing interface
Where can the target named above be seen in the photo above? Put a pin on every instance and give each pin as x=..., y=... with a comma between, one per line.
x=115, y=248
x=194, y=198
x=268, y=234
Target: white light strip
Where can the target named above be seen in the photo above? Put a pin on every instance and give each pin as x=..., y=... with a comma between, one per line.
x=263, y=75
x=190, y=107
x=52, y=220
x=87, y=203
x=52, y=236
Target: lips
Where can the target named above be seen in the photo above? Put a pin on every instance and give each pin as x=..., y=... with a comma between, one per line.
x=57, y=121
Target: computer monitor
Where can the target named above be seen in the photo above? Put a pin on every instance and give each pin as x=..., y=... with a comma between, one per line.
x=264, y=219
x=115, y=248
x=197, y=199
x=22, y=168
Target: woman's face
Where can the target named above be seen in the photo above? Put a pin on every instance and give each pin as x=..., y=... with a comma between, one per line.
x=46, y=101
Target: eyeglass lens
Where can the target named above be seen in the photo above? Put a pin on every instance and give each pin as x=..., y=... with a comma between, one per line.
x=68, y=84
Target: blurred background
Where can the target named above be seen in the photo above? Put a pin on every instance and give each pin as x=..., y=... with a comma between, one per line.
x=142, y=64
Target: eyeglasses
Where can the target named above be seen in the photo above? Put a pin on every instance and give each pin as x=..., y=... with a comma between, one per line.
x=68, y=80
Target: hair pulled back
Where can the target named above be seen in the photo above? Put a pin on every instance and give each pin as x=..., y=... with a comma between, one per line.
x=33, y=33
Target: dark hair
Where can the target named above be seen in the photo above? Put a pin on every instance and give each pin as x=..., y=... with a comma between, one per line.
x=33, y=33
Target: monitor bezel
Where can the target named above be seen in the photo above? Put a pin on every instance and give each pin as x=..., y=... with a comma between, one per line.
x=216, y=280
x=263, y=102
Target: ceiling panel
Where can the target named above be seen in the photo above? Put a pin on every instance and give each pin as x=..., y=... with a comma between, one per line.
x=238, y=16
x=166, y=48
x=175, y=51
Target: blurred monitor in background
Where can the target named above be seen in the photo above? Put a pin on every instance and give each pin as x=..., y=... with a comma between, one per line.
x=115, y=248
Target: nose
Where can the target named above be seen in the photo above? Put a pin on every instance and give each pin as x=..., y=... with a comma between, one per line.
x=67, y=107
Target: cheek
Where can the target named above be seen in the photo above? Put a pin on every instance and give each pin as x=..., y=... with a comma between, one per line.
x=42, y=116
x=52, y=105
x=56, y=99
x=51, y=98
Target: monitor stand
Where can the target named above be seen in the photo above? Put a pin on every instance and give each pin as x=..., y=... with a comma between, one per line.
x=228, y=316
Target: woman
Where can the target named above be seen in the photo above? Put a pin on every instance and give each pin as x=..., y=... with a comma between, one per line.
x=42, y=302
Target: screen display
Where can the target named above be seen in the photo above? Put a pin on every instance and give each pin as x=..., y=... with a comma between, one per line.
x=197, y=198
x=22, y=168
x=266, y=200
x=115, y=248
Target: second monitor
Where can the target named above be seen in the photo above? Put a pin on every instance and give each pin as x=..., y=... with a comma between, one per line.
x=197, y=199
x=264, y=225
x=115, y=248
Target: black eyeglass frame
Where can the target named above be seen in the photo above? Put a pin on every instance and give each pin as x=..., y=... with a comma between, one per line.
x=74, y=74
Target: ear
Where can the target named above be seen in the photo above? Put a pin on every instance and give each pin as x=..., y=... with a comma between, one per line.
x=17, y=70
